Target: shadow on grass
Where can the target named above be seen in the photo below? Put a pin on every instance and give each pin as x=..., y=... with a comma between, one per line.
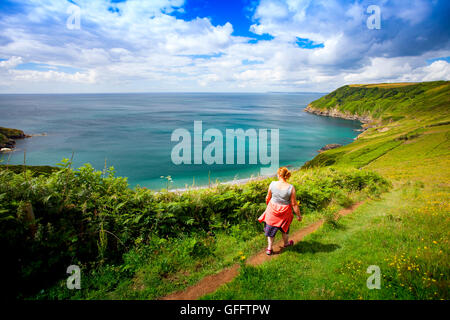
x=335, y=225
x=314, y=247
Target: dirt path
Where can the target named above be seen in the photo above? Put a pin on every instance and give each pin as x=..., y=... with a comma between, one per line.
x=211, y=283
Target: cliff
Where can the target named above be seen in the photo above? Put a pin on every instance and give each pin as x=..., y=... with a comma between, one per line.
x=8, y=136
x=384, y=102
x=395, y=116
x=336, y=113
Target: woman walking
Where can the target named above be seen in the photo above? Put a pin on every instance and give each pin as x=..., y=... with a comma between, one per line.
x=280, y=202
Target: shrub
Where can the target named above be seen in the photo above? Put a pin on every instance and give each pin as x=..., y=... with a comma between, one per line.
x=89, y=217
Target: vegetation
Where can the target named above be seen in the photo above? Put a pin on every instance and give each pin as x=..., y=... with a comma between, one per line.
x=125, y=238
x=141, y=244
x=3, y=139
x=33, y=170
x=405, y=233
x=11, y=133
x=398, y=113
x=7, y=134
x=381, y=100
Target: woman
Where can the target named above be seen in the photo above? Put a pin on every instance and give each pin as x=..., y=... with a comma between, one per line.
x=278, y=215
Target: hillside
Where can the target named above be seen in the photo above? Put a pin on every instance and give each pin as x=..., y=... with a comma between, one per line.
x=404, y=233
x=7, y=136
x=388, y=102
x=394, y=116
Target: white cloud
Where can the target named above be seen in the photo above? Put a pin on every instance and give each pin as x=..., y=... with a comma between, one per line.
x=142, y=48
x=53, y=76
x=11, y=62
x=438, y=70
x=399, y=70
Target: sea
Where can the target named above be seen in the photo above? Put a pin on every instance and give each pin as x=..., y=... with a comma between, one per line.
x=132, y=132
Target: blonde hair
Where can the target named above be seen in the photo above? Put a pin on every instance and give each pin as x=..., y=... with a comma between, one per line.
x=284, y=173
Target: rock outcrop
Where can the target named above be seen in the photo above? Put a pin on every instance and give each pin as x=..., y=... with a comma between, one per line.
x=335, y=113
x=329, y=147
x=366, y=120
x=8, y=136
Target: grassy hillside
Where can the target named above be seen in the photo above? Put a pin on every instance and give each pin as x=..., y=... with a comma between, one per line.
x=33, y=170
x=405, y=233
x=388, y=102
x=136, y=243
x=7, y=134
x=399, y=115
x=12, y=133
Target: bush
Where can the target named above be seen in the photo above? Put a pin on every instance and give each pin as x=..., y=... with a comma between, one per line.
x=92, y=218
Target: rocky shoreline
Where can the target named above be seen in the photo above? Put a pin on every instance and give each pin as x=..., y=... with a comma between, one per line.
x=8, y=138
x=335, y=113
x=329, y=147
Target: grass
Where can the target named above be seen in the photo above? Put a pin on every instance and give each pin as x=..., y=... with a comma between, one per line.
x=384, y=85
x=11, y=133
x=419, y=100
x=3, y=139
x=399, y=115
x=406, y=233
x=35, y=170
x=163, y=265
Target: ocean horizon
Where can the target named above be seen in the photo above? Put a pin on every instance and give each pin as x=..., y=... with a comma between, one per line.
x=132, y=131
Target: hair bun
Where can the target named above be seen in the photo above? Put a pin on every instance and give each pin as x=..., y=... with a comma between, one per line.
x=284, y=173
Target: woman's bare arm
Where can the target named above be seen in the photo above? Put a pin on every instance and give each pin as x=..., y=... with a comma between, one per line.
x=295, y=205
x=269, y=196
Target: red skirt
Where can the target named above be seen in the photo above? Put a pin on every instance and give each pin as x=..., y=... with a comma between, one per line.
x=277, y=215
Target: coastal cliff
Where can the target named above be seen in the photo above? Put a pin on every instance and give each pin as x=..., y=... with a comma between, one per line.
x=336, y=113
x=382, y=102
x=8, y=138
x=392, y=115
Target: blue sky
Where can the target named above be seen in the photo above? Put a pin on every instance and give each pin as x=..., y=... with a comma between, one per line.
x=218, y=46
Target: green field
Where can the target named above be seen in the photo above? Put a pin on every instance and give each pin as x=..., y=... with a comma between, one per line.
x=138, y=244
x=405, y=233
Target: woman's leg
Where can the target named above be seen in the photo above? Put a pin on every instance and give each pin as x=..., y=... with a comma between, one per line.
x=285, y=238
x=270, y=242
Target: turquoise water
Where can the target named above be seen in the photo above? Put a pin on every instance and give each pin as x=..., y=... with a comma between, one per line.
x=133, y=131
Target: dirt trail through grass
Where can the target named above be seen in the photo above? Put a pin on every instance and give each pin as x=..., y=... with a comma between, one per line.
x=211, y=283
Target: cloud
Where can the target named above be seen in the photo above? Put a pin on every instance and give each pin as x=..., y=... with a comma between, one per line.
x=143, y=46
x=51, y=76
x=436, y=71
x=399, y=70
x=11, y=62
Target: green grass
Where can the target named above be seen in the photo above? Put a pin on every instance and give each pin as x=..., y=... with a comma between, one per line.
x=11, y=133
x=173, y=266
x=6, y=134
x=410, y=100
x=400, y=115
x=35, y=170
x=136, y=243
x=406, y=233
x=3, y=139
x=156, y=266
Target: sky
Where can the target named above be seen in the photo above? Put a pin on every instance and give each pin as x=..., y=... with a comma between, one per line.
x=89, y=46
